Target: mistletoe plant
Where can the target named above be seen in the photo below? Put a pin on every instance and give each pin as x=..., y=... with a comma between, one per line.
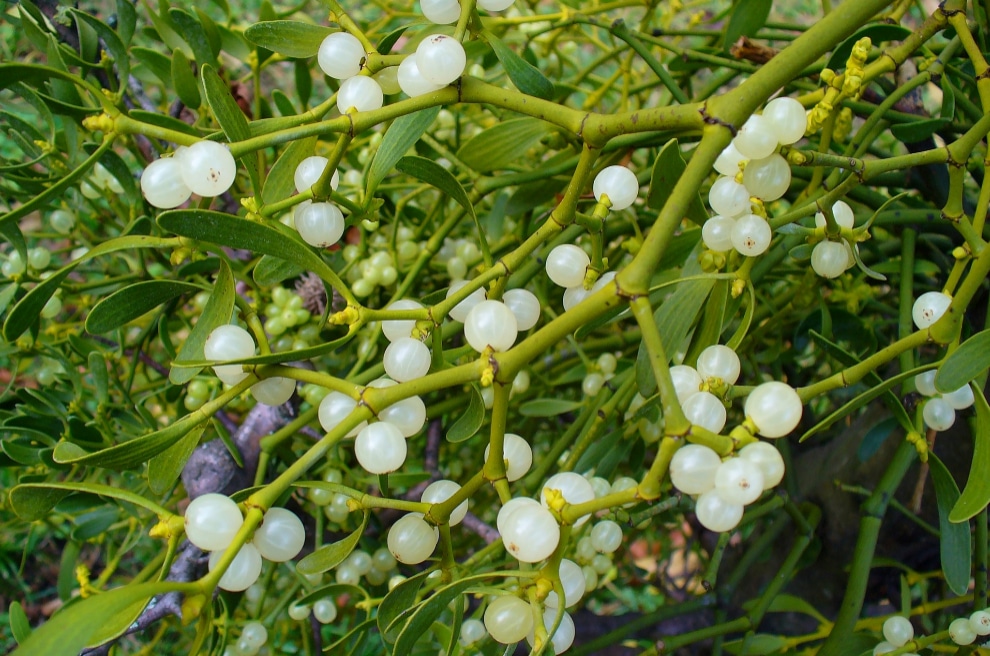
x=427, y=327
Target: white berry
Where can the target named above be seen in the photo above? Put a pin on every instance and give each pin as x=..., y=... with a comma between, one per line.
x=898, y=630
x=440, y=491
x=517, y=454
x=380, y=448
x=728, y=198
x=508, y=619
x=929, y=308
x=212, y=520
x=310, y=170
x=787, y=119
x=775, y=408
x=441, y=59
x=412, y=540
x=751, y=235
x=281, y=535
x=525, y=307
x=739, y=480
x=693, y=467
x=319, y=224
x=411, y=80
x=243, y=571
x=768, y=459
x=718, y=361
x=717, y=514
x=566, y=265
x=361, y=93
x=717, y=233
x=407, y=359
x=938, y=414
x=767, y=178
x=441, y=12
x=619, y=184
x=490, y=323
x=340, y=55
x=529, y=532
x=208, y=168
x=756, y=138
x=162, y=184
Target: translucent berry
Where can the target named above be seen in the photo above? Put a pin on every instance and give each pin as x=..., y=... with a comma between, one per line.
x=751, y=235
x=441, y=12
x=440, y=491
x=361, y=93
x=756, y=138
x=408, y=415
x=396, y=328
x=693, y=467
x=606, y=536
x=517, y=454
x=441, y=59
x=243, y=571
x=340, y=55
x=961, y=632
x=524, y=305
x=829, y=259
x=310, y=170
x=566, y=265
x=460, y=311
x=619, y=184
x=208, y=168
x=925, y=382
x=380, y=448
x=687, y=381
x=929, y=308
x=280, y=536
x=575, y=489
x=768, y=459
x=212, y=520
x=407, y=359
x=775, y=408
x=319, y=224
x=530, y=533
x=273, y=391
x=938, y=414
x=717, y=233
x=961, y=398
x=706, y=410
x=563, y=637
x=411, y=80
x=718, y=361
x=717, y=514
x=334, y=408
x=728, y=197
x=767, y=178
x=842, y=214
x=898, y=630
x=412, y=540
x=739, y=480
x=162, y=183
x=490, y=323
x=508, y=619
x=787, y=119
x=728, y=161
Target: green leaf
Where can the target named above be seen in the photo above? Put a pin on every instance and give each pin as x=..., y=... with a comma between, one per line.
x=33, y=501
x=967, y=362
x=159, y=64
x=785, y=603
x=548, y=407
x=757, y=644
x=432, y=173
x=289, y=38
x=280, y=183
x=524, y=75
x=164, y=469
x=79, y=624
x=674, y=318
x=272, y=270
x=192, y=31
x=748, y=16
x=667, y=170
x=915, y=131
x=130, y=454
x=129, y=303
x=976, y=494
x=956, y=550
x=26, y=311
x=184, y=80
x=111, y=40
x=503, y=145
x=20, y=627
x=401, y=135
x=228, y=230
x=126, y=20
x=468, y=423
x=217, y=312
x=399, y=602
x=429, y=611
x=225, y=109
x=874, y=438
x=330, y=555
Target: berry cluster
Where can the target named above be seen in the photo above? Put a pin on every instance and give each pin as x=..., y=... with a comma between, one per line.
x=211, y=522
x=206, y=168
x=939, y=411
x=230, y=342
x=765, y=176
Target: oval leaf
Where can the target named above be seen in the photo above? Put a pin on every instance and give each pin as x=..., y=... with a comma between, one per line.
x=956, y=550
x=235, y=232
x=75, y=627
x=401, y=135
x=225, y=109
x=289, y=38
x=748, y=16
x=33, y=501
x=976, y=494
x=524, y=75
x=130, y=454
x=329, y=556
x=433, y=174
x=184, y=80
x=131, y=302
x=967, y=362
x=164, y=469
x=502, y=145
x=548, y=407
x=468, y=424
x=20, y=627
x=667, y=170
